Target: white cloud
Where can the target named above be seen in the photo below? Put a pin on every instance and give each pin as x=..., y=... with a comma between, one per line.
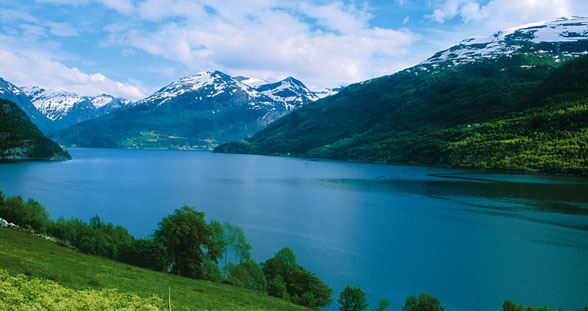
x=39, y=70
x=481, y=18
x=322, y=44
x=497, y=14
x=26, y=61
x=121, y=6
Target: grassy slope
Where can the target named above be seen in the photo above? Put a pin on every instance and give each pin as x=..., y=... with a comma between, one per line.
x=490, y=114
x=33, y=256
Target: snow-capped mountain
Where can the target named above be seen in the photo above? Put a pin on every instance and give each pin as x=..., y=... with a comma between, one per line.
x=218, y=89
x=194, y=112
x=65, y=108
x=205, y=85
x=11, y=92
x=52, y=110
x=562, y=37
x=290, y=93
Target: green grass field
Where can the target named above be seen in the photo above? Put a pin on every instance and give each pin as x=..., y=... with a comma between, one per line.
x=22, y=253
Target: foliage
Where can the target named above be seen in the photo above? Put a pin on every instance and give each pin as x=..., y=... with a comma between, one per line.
x=20, y=139
x=228, y=237
x=24, y=293
x=96, y=237
x=30, y=214
x=424, y=302
x=247, y=274
x=383, y=305
x=352, y=299
x=508, y=305
x=23, y=253
x=511, y=113
x=302, y=287
x=188, y=240
x=146, y=253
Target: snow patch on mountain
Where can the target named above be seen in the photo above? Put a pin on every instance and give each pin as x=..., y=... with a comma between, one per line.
x=290, y=93
x=206, y=84
x=54, y=104
x=556, y=37
x=252, y=82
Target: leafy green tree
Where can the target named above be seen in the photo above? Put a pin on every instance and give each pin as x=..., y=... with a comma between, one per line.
x=30, y=214
x=303, y=287
x=188, y=239
x=277, y=287
x=247, y=274
x=211, y=271
x=383, y=305
x=230, y=239
x=424, y=302
x=352, y=299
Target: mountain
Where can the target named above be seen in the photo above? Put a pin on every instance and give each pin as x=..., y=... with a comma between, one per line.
x=197, y=111
x=65, y=109
x=518, y=102
x=52, y=110
x=11, y=92
x=563, y=37
x=290, y=93
x=22, y=140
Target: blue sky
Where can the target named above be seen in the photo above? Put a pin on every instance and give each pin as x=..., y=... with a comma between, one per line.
x=131, y=48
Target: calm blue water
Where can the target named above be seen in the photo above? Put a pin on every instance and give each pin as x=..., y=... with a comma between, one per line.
x=470, y=239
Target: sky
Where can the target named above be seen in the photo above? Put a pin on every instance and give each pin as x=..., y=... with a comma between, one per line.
x=131, y=48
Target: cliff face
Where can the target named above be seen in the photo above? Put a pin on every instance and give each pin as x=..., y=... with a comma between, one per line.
x=21, y=140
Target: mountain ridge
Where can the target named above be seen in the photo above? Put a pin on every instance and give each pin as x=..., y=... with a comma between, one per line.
x=197, y=111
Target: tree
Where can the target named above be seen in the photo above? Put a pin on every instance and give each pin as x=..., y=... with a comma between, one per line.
x=188, y=240
x=302, y=287
x=424, y=302
x=248, y=275
x=27, y=215
x=230, y=238
x=383, y=304
x=352, y=299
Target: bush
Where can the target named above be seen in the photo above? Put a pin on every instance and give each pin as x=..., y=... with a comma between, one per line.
x=24, y=293
x=302, y=287
x=27, y=215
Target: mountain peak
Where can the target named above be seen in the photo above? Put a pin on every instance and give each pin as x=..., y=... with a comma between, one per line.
x=558, y=37
x=207, y=83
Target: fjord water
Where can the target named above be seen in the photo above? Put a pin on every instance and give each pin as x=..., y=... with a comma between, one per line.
x=469, y=238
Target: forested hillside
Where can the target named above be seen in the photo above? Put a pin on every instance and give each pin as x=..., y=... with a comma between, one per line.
x=519, y=112
x=20, y=139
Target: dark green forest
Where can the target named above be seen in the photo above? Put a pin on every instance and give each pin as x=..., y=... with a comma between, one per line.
x=520, y=113
x=20, y=139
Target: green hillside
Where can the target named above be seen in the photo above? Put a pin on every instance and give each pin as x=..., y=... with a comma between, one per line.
x=20, y=139
x=512, y=113
x=23, y=253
